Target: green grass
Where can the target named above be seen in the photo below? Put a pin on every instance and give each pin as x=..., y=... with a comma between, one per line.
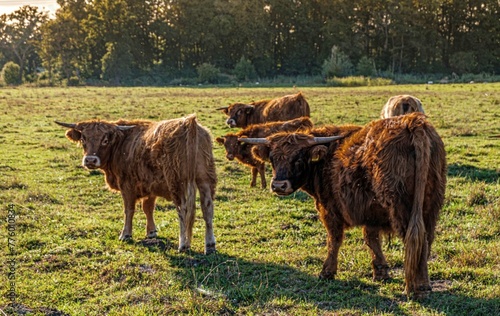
x=68, y=259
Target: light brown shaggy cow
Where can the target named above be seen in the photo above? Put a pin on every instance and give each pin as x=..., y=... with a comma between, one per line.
x=144, y=160
x=388, y=176
x=400, y=105
x=279, y=109
x=243, y=152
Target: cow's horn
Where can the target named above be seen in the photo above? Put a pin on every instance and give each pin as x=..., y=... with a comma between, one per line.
x=255, y=141
x=68, y=125
x=324, y=140
x=223, y=108
x=125, y=127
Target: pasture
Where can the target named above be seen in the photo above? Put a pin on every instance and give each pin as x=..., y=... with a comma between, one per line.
x=60, y=253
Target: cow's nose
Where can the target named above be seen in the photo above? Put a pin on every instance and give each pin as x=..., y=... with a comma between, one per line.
x=281, y=187
x=91, y=161
x=229, y=156
x=406, y=107
x=231, y=122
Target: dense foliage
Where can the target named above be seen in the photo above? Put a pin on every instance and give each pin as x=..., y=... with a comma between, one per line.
x=10, y=73
x=161, y=40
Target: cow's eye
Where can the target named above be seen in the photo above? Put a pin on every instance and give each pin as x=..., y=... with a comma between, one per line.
x=104, y=142
x=238, y=113
x=83, y=140
x=299, y=163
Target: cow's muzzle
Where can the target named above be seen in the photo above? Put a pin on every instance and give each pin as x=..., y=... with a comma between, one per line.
x=231, y=122
x=230, y=157
x=283, y=187
x=91, y=162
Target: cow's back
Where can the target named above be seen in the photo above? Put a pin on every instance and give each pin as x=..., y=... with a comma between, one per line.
x=165, y=156
x=268, y=128
x=286, y=108
x=375, y=170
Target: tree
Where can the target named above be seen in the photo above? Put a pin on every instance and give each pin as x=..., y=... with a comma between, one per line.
x=244, y=70
x=21, y=32
x=116, y=63
x=463, y=62
x=10, y=73
x=366, y=67
x=338, y=65
x=63, y=46
x=208, y=73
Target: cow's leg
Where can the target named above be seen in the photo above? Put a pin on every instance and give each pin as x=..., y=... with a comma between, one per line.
x=335, y=235
x=262, y=171
x=254, y=177
x=379, y=264
x=129, y=210
x=148, y=206
x=186, y=213
x=207, y=208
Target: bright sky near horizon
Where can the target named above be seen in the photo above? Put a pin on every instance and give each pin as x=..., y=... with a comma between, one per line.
x=9, y=6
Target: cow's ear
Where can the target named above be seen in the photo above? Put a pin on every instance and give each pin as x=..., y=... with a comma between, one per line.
x=73, y=135
x=261, y=153
x=318, y=153
x=249, y=109
x=220, y=140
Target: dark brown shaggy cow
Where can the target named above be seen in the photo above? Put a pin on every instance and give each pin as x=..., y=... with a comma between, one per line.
x=144, y=160
x=400, y=105
x=388, y=176
x=279, y=109
x=243, y=152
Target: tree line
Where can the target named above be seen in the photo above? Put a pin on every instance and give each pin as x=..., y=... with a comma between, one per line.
x=159, y=41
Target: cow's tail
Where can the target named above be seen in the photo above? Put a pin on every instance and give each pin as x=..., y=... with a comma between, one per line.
x=190, y=163
x=415, y=238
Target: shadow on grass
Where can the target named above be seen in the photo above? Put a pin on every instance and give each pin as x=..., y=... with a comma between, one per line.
x=455, y=304
x=244, y=283
x=274, y=286
x=158, y=244
x=473, y=173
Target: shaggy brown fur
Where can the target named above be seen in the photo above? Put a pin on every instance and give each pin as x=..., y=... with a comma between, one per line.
x=279, y=109
x=388, y=176
x=400, y=105
x=256, y=156
x=144, y=160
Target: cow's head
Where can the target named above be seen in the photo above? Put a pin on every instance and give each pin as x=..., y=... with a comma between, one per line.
x=97, y=139
x=292, y=156
x=231, y=144
x=401, y=105
x=237, y=114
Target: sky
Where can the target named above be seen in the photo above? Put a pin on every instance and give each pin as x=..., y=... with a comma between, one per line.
x=9, y=6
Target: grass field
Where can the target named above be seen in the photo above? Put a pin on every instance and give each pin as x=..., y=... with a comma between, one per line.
x=60, y=253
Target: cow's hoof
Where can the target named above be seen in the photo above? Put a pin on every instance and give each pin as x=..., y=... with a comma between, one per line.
x=152, y=234
x=184, y=248
x=325, y=275
x=125, y=237
x=381, y=273
x=209, y=249
x=421, y=293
